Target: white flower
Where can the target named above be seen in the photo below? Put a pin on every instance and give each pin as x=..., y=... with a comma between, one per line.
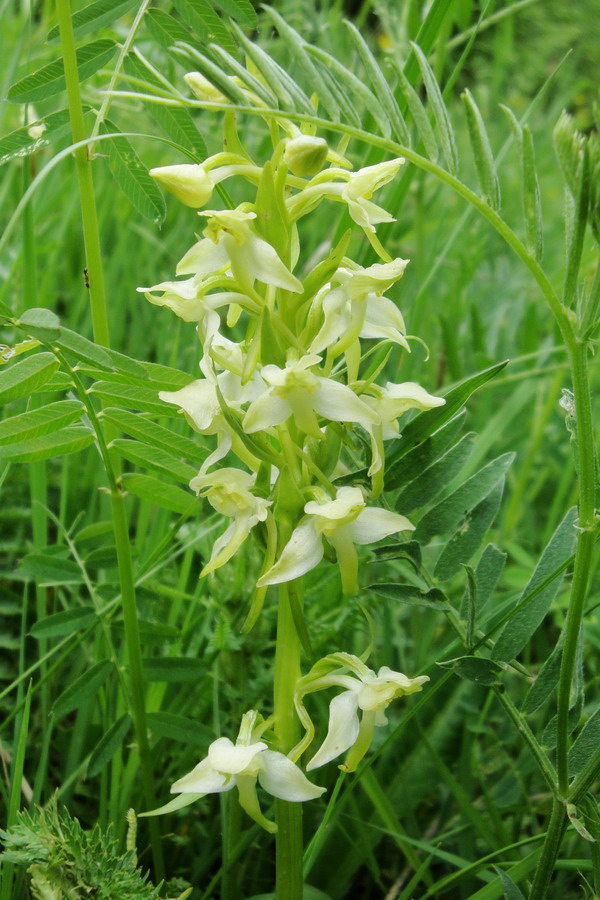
x=190, y=183
x=298, y=392
x=229, y=239
x=343, y=522
x=365, y=690
x=240, y=765
x=190, y=300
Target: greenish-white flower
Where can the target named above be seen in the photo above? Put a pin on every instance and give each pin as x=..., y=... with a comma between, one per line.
x=229, y=492
x=343, y=522
x=366, y=692
x=241, y=765
x=297, y=391
x=230, y=240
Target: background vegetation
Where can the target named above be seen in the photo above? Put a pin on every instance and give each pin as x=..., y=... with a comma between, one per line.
x=451, y=792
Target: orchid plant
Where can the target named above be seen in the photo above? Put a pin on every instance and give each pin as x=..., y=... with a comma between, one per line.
x=288, y=392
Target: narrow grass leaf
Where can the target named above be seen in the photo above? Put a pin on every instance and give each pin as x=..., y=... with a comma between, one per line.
x=440, y=113
x=154, y=458
x=469, y=535
x=62, y=623
x=40, y=421
x=175, y=122
x=93, y=17
x=47, y=446
x=447, y=514
x=15, y=781
x=545, y=683
x=50, y=79
x=83, y=688
x=586, y=744
x=26, y=376
x=133, y=178
x=487, y=574
x=414, y=596
x=48, y=569
x=34, y=137
x=532, y=200
x=380, y=86
x=252, y=83
x=290, y=95
x=172, y=669
x=296, y=46
x=164, y=28
x=482, y=152
x=356, y=90
x=165, y=495
x=138, y=426
x=242, y=10
x=108, y=745
x=419, y=114
x=436, y=477
x=179, y=728
x=132, y=396
x=203, y=20
x=530, y=613
x=511, y=891
x=348, y=110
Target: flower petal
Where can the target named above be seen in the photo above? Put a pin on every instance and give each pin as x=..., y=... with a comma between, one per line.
x=259, y=259
x=282, y=778
x=266, y=411
x=246, y=785
x=203, y=779
x=343, y=729
x=303, y=552
x=375, y=524
x=232, y=759
x=202, y=258
x=338, y=403
x=176, y=803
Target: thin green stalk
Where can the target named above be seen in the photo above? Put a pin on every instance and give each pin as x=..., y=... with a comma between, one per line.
x=289, y=848
x=545, y=868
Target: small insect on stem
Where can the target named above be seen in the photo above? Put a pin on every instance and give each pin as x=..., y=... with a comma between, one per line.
x=86, y=278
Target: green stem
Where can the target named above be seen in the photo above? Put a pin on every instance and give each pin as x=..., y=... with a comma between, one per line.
x=91, y=232
x=543, y=874
x=289, y=848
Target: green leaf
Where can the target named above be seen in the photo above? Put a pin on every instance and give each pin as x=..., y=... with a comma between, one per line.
x=296, y=45
x=446, y=515
x=469, y=535
x=154, y=458
x=440, y=113
x=166, y=495
x=419, y=114
x=545, y=683
x=179, y=728
x=48, y=569
x=93, y=17
x=204, y=21
x=138, y=426
x=40, y=322
x=488, y=571
x=424, y=454
x=132, y=177
x=532, y=200
x=177, y=123
x=380, y=86
x=482, y=152
x=164, y=28
x=50, y=79
x=511, y=891
x=242, y=10
x=252, y=83
x=21, y=143
x=83, y=688
x=81, y=348
x=214, y=73
x=435, y=478
x=541, y=590
x=108, y=745
x=65, y=622
x=427, y=423
x=476, y=669
x=172, y=669
x=47, y=446
x=133, y=396
x=409, y=593
x=40, y=421
x=586, y=744
x=24, y=377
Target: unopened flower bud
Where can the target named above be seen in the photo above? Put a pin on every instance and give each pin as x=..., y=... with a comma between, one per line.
x=305, y=155
x=189, y=183
x=203, y=88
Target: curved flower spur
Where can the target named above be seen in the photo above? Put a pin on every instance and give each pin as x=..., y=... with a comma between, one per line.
x=365, y=690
